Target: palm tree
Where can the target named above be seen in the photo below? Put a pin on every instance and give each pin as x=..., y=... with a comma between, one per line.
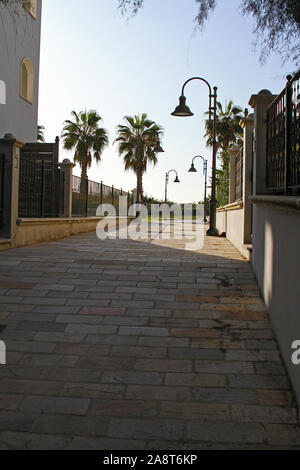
x=40, y=133
x=137, y=140
x=86, y=137
x=229, y=129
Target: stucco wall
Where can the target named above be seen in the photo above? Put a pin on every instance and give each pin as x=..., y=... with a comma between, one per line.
x=35, y=231
x=19, y=40
x=231, y=221
x=276, y=262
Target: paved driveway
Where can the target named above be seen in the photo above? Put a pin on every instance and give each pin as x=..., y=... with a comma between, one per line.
x=138, y=345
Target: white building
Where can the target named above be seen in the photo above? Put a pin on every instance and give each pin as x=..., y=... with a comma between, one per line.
x=20, y=34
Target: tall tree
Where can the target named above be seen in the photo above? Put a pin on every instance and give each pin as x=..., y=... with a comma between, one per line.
x=277, y=23
x=86, y=137
x=40, y=133
x=229, y=128
x=136, y=141
x=229, y=132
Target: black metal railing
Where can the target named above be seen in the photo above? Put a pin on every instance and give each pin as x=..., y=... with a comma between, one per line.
x=88, y=195
x=41, y=190
x=239, y=177
x=283, y=140
x=1, y=188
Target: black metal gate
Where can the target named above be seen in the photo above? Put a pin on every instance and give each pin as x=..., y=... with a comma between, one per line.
x=1, y=188
x=283, y=140
x=41, y=190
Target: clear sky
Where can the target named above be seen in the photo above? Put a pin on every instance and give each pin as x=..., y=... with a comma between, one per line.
x=93, y=58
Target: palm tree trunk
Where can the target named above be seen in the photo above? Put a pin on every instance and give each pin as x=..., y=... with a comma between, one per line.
x=141, y=187
x=84, y=177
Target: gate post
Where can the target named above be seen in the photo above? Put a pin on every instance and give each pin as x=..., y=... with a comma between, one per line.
x=233, y=153
x=10, y=151
x=260, y=104
x=248, y=123
x=67, y=168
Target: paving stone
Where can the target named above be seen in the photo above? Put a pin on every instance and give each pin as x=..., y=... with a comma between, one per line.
x=60, y=337
x=275, y=398
x=40, y=326
x=105, y=363
x=73, y=406
x=112, y=339
x=224, y=395
x=196, y=380
x=91, y=329
x=259, y=381
x=57, y=310
x=162, y=393
x=193, y=353
x=101, y=311
x=280, y=434
x=146, y=429
x=9, y=401
x=134, y=377
x=264, y=414
x=164, y=365
x=195, y=411
x=66, y=424
x=30, y=346
x=132, y=330
x=249, y=355
x=26, y=386
x=70, y=374
x=23, y=441
x=87, y=443
x=195, y=332
x=139, y=352
x=16, y=421
x=225, y=432
x=49, y=360
x=93, y=390
x=224, y=367
x=272, y=368
x=118, y=408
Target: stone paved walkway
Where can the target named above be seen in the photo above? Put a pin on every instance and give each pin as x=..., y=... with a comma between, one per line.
x=137, y=345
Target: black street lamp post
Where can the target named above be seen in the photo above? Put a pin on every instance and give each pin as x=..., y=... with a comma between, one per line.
x=184, y=111
x=167, y=182
x=193, y=170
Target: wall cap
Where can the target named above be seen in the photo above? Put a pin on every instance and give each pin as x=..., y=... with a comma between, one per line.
x=284, y=202
x=231, y=207
x=62, y=220
x=261, y=99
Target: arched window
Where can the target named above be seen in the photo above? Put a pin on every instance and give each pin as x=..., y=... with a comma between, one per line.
x=27, y=80
x=30, y=6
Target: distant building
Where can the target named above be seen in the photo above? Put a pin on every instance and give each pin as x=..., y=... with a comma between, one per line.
x=20, y=35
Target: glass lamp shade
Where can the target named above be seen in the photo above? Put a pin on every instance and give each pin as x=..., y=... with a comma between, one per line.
x=182, y=110
x=158, y=148
x=192, y=169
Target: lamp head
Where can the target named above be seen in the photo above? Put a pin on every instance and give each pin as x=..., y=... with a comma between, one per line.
x=158, y=148
x=192, y=169
x=176, y=180
x=182, y=110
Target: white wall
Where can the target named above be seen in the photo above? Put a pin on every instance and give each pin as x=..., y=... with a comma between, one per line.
x=276, y=262
x=231, y=221
x=19, y=39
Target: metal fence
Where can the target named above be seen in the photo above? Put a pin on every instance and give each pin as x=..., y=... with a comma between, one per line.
x=283, y=140
x=239, y=176
x=88, y=195
x=41, y=190
x=1, y=188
